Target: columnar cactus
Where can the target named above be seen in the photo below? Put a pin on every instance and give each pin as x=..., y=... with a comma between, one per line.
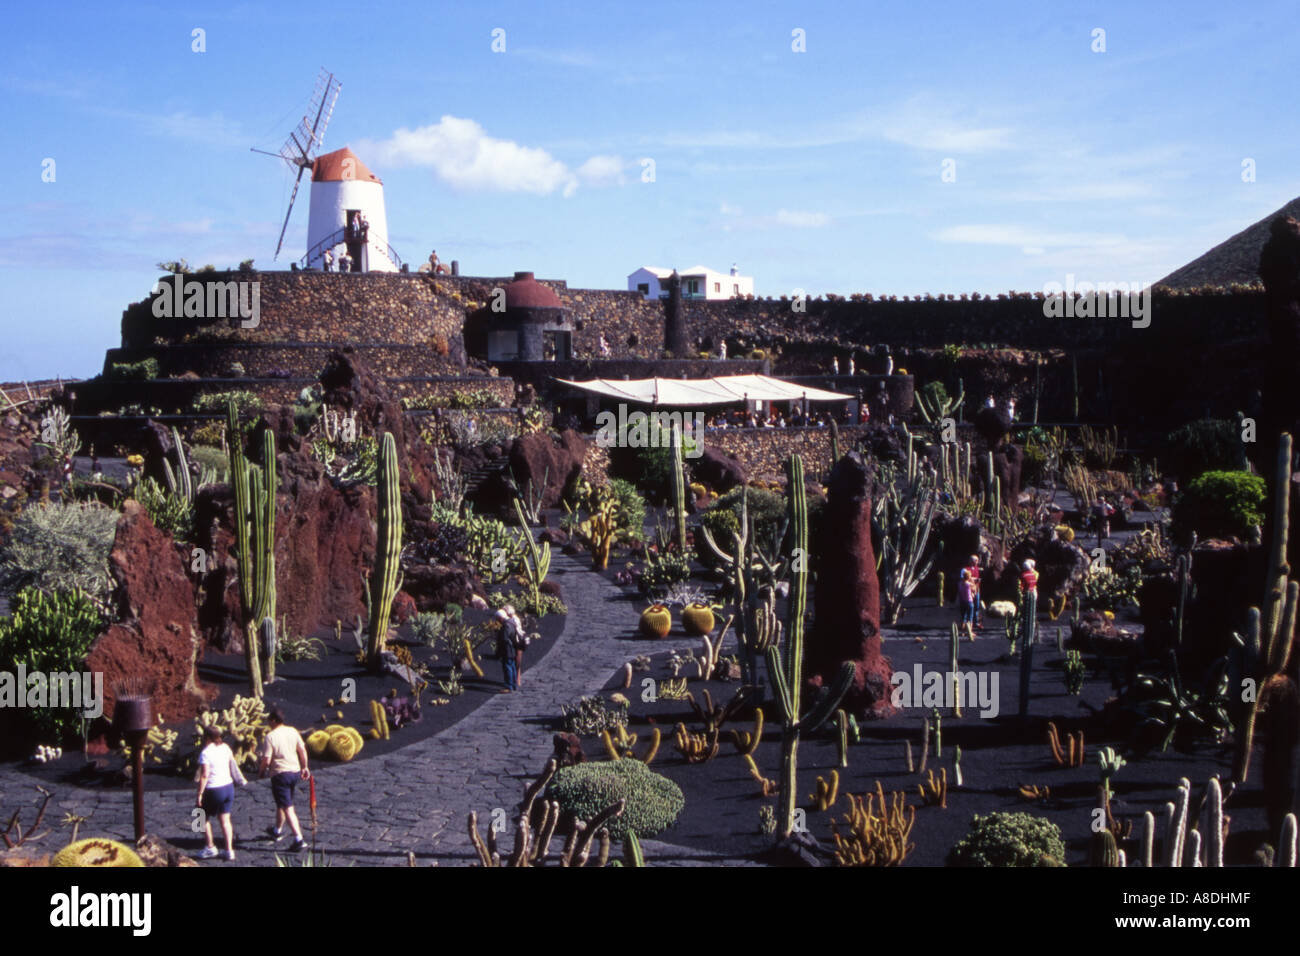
x=1028, y=617
x=1272, y=631
x=179, y=481
x=254, y=521
x=384, y=580
x=785, y=663
x=1214, y=823
x=679, y=489
x=753, y=579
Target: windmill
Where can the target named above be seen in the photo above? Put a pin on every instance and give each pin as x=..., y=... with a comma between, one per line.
x=307, y=137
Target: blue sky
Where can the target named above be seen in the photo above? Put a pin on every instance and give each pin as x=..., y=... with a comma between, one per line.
x=820, y=170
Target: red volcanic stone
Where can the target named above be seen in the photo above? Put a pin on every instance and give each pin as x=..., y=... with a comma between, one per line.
x=155, y=639
x=848, y=596
x=718, y=470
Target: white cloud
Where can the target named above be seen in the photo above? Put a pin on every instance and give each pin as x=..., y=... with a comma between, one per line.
x=802, y=220
x=463, y=155
x=602, y=171
x=926, y=123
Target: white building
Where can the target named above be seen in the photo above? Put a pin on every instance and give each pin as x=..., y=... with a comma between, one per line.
x=343, y=193
x=698, y=282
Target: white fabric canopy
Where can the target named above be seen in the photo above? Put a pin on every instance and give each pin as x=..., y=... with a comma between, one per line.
x=720, y=390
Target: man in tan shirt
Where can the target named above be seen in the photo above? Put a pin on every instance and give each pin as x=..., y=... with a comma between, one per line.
x=284, y=755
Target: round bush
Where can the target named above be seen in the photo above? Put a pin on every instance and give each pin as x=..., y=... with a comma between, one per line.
x=1220, y=504
x=1009, y=839
x=585, y=789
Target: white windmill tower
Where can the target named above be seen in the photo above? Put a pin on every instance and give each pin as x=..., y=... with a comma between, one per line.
x=347, y=199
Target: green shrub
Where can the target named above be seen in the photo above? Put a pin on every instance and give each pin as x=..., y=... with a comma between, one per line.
x=629, y=507
x=50, y=633
x=60, y=547
x=170, y=513
x=474, y=398
x=653, y=801
x=1210, y=444
x=246, y=403
x=1009, y=839
x=143, y=370
x=766, y=508
x=1219, y=504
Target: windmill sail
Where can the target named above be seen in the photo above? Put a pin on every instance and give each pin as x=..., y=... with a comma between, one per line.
x=299, y=149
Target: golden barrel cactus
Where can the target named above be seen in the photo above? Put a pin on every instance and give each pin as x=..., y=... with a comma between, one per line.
x=697, y=619
x=97, y=852
x=656, y=621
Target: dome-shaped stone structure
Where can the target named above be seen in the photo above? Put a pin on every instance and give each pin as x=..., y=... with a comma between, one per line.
x=524, y=322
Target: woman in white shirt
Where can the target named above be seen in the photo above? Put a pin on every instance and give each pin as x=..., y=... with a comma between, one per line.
x=218, y=773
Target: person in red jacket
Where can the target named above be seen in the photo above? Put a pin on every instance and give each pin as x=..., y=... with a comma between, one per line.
x=1029, y=578
x=973, y=568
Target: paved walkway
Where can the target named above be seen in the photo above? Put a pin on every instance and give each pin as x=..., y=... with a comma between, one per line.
x=373, y=812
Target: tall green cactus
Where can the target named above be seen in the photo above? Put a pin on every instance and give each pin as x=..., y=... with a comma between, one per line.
x=679, y=488
x=254, y=521
x=384, y=580
x=785, y=663
x=179, y=481
x=1271, y=631
x=753, y=578
x=835, y=443
x=1028, y=625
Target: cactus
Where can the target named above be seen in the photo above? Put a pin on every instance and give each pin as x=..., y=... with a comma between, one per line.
x=753, y=579
x=1105, y=851
x=747, y=742
x=1176, y=831
x=1271, y=631
x=842, y=738
x=1028, y=618
x=379, y=717
x=384, y=580
x=934, y=791
x=940, y=589
x=835, y=442
x=954, y=641
x=956, y=765
x=1148, y=839
x=97, y=851
x=785, y=664
x=254, y=521
x=179, y=481
x=1214, y=823
x=679, y=488
x=632, y=850
x=826, y=792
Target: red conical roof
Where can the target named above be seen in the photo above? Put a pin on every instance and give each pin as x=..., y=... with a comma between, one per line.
x=341, y=165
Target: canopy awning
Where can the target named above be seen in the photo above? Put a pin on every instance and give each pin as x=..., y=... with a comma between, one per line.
x=720, y=390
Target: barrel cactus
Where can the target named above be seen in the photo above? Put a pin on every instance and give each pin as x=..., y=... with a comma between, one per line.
x=97, y=852
x=697, y=619
x=656, y=621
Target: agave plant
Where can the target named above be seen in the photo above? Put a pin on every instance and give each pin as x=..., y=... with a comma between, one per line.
x=1167, y=703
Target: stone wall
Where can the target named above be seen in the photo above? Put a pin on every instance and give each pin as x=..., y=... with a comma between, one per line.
x=763, y=451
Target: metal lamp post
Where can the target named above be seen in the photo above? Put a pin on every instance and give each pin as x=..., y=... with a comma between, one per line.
x=132, y=718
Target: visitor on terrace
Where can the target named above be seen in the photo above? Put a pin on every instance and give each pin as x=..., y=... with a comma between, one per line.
x=1029, y=578
x=967, y=595
x=973, y=570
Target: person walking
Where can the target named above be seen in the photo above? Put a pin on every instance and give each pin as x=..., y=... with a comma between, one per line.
x=506, y=651
x=1029, y=578
x=218, y=774
x=284, y=757
x=973, y=568
x=520, y=639
x=966, y=597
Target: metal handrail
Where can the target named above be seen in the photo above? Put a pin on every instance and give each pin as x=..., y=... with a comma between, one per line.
x=339, y=236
